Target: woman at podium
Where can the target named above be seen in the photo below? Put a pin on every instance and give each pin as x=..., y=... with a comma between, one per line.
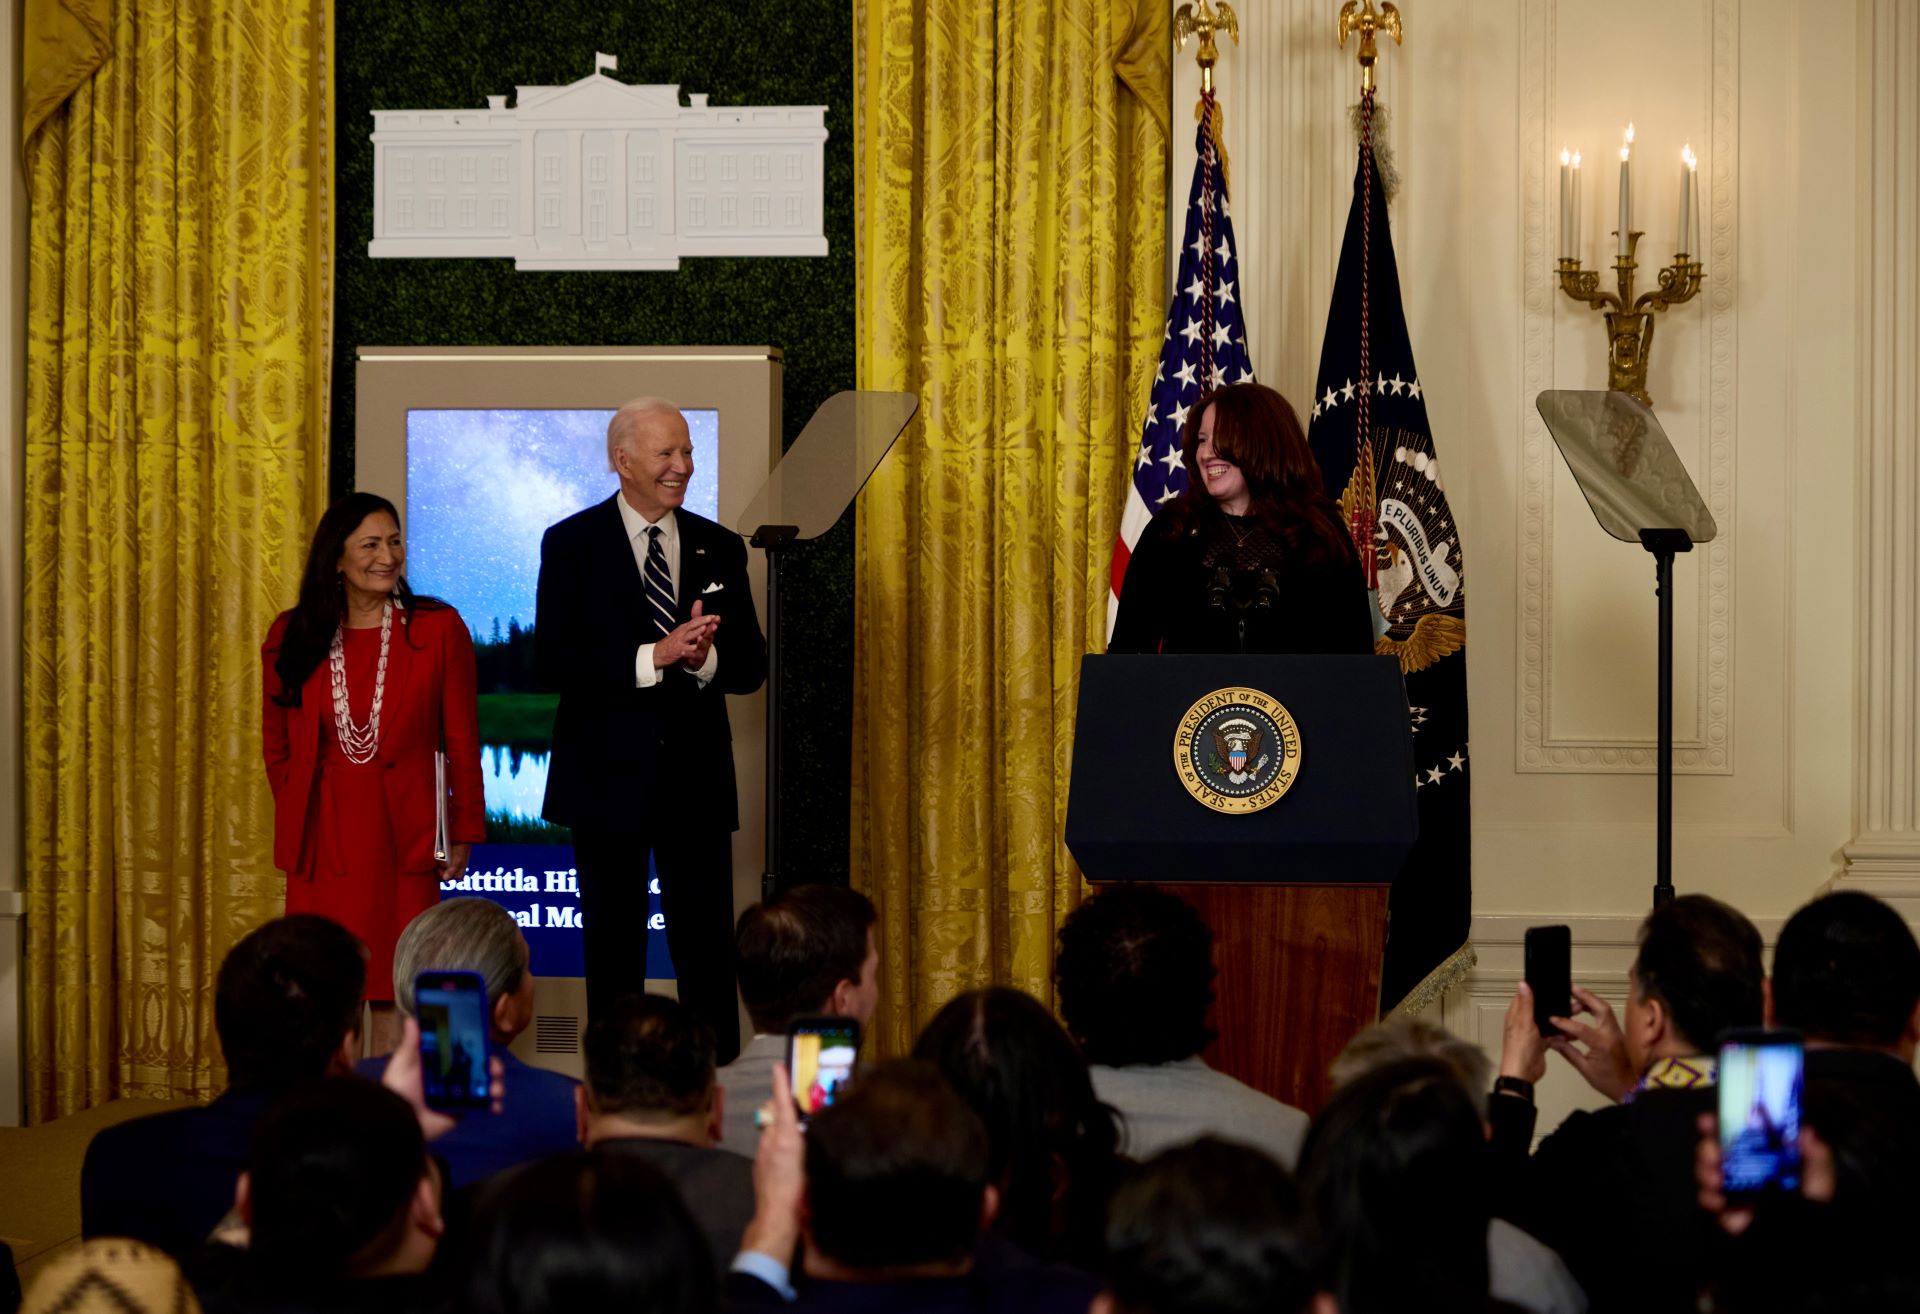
x=1253, y=556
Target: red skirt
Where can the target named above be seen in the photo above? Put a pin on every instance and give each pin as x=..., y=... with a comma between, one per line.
x=350, y=869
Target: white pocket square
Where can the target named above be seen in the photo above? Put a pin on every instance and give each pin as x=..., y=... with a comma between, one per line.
x=714, y=587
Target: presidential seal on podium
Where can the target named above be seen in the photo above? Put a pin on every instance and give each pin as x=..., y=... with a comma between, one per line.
x=1237, y=750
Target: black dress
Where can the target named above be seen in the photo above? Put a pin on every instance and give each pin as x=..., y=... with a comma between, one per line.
x=1230, y=584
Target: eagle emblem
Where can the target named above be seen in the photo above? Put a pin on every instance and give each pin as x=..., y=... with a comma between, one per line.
x=1236, y=741
x=1237, y=750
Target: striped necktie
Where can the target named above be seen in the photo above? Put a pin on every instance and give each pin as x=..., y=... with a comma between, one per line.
x=659, y=584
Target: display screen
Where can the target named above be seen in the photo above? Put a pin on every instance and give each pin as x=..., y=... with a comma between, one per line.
x=1760, y=1117
x=452, y=1011
x=482, y=488
x=820, y=1057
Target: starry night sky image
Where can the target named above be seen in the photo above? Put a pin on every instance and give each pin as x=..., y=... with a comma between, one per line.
x=482, y=487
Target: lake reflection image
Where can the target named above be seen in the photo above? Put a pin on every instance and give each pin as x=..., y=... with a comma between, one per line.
x=516, y=783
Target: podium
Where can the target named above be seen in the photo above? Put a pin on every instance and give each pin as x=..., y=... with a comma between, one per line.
x=1294, y=887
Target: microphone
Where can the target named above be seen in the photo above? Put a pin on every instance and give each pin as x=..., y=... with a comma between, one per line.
x=1220, y=591
x=1267, y=592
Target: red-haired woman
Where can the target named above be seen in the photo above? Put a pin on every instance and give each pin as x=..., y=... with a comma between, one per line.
x=1252, y=557
x=363, y=683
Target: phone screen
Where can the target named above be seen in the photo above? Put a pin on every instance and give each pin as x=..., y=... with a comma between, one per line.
x=1549, y=953
x=452, y=1010
x=1760, y=1080
x=820, y=1055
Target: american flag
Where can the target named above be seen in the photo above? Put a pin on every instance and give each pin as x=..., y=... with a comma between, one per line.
x=1205, y=347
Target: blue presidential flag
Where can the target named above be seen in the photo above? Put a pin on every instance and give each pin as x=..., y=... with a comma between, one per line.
x=1370, y=433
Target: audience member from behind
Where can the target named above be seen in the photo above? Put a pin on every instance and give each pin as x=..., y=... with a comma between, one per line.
x=1051, y=1143
x=1613, y=1189
x=889, y=1191
x=1395, y=1171
x=1846, y=975
x=109, y=1275
x=1135, y=975
x=537, y=1117
x=651, y=1093
x=341, y=1206
x=1209, y=1228
x=587, y=1233
x=287, y=1010
x=807, y=950
x=1521, y=1269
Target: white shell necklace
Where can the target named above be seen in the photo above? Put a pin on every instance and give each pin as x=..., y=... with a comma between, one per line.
x=359, y=743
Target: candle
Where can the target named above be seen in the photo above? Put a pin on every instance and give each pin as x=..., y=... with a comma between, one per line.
x=1685, y=230
x=1576, y=204
x=1566, y=203
x=1626, y=191
x=1698, y=249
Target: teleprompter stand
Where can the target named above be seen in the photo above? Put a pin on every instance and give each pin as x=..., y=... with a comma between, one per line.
x=809, y=490
x=1639, y=492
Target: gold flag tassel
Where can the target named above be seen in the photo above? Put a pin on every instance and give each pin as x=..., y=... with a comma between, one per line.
x=1360, y=18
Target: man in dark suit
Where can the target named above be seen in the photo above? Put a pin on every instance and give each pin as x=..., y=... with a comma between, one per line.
x=1846, y=975
x=632, y=598
x=287, y=1007
x=650, y=1093
x=1613, y=1190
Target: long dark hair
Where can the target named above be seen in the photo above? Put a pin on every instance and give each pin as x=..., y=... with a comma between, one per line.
x=1395, y=1169
x=1024, y=1076
x=1256, y=428
x=323, y=599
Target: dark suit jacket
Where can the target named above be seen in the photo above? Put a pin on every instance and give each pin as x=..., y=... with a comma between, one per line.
x=1866, y=1106
x=167, y=1179
x=716, y=1184
x=1612, y=1190
x=537, y=1119
x=624, y=757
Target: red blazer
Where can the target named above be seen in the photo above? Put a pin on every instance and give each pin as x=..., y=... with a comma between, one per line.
x=429, y=703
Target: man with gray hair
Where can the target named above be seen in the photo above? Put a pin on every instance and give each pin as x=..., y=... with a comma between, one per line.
x=479, y=936
x=632, y=597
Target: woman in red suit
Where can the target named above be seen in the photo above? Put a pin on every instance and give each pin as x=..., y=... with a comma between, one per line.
x=363, y=683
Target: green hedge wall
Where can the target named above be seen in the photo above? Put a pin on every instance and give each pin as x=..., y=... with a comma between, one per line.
x=409, y=54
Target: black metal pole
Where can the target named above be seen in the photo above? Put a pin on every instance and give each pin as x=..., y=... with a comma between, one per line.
x=1663, y=808
x=773, y=539
x=1664, y=543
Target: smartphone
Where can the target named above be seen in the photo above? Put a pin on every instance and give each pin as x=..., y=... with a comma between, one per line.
x=452, y=1010
x=1761, y=1074
x=820, y=1054
x=1550, y=974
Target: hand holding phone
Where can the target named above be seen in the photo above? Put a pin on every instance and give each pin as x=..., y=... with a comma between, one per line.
x=451, y=1008
x=1761, y=1075
x=820, y=1055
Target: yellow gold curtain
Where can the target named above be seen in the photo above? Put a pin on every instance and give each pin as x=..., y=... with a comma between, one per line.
x=1010, y=210
x=178, y=307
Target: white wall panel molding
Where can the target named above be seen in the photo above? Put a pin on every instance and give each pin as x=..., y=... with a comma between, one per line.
x=1884, y=855
x=1706, y=746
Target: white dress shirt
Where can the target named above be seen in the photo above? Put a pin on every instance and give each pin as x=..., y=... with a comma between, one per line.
x=645, y=673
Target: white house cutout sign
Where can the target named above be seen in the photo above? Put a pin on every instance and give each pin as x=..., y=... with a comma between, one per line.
x=599, y=174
